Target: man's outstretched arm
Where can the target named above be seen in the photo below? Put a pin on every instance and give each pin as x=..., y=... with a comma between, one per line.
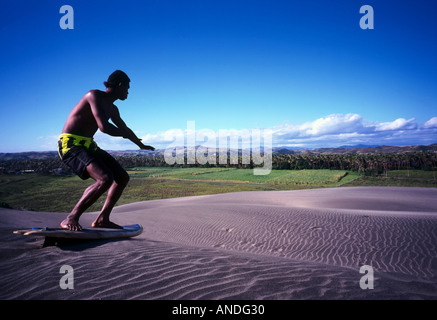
x=128, y=133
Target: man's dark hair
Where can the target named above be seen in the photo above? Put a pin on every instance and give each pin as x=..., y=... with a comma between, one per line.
x=115, y=78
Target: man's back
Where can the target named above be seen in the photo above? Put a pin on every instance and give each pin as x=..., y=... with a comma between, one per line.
x=81, y=120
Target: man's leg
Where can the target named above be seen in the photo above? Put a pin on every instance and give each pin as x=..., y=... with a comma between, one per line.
x=104, y=178
x=121, y=179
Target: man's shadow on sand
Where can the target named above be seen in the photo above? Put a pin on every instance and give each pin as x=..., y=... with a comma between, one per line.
x=79, y=244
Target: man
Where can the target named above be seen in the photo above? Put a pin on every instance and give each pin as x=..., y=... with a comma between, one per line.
x=78, y=150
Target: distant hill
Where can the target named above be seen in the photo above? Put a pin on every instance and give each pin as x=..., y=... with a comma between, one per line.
x=375, y=149
x=28, y=155
x=358, y=149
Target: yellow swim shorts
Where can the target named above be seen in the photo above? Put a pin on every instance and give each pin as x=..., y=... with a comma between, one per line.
x=67, y=141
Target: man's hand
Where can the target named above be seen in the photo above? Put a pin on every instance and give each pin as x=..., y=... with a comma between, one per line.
x=144, y=147
x=129, y=134
x=125, y=131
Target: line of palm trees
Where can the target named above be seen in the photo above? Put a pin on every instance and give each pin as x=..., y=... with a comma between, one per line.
x=363, y=163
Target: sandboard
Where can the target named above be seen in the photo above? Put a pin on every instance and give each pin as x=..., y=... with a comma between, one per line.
x=91, y=234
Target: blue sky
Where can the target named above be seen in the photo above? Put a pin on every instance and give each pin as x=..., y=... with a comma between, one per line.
x=304, y=69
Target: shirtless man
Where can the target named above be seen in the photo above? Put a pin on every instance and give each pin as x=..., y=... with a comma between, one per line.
x=78, y=150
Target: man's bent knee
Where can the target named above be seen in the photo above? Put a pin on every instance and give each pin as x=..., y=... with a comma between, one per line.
x=122, y=179
x=105, y=181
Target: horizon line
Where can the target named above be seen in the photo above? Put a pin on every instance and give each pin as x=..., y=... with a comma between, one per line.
x=356, y=146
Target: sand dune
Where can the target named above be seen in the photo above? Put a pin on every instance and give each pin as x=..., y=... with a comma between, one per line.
x=307, y=244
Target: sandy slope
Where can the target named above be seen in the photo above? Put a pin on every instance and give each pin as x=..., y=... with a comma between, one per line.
x=307, y=244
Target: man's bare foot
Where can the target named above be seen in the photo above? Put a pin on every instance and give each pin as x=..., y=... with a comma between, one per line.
x=105, y=224
x=71, y=224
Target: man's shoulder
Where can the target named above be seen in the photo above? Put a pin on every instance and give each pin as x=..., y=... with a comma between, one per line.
x=95, y=96
x=95, y=93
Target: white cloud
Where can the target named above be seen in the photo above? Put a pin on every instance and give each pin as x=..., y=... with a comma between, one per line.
x=332, y=124
x=165, y=137
x=350, y=129
x=431, y=123
x=108, y=142
x=398, y=124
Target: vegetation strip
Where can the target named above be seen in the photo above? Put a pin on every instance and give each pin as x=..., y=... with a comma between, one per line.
x=59, y=193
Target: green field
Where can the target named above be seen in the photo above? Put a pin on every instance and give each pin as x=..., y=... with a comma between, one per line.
x=276, y=177
x=60, y=193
